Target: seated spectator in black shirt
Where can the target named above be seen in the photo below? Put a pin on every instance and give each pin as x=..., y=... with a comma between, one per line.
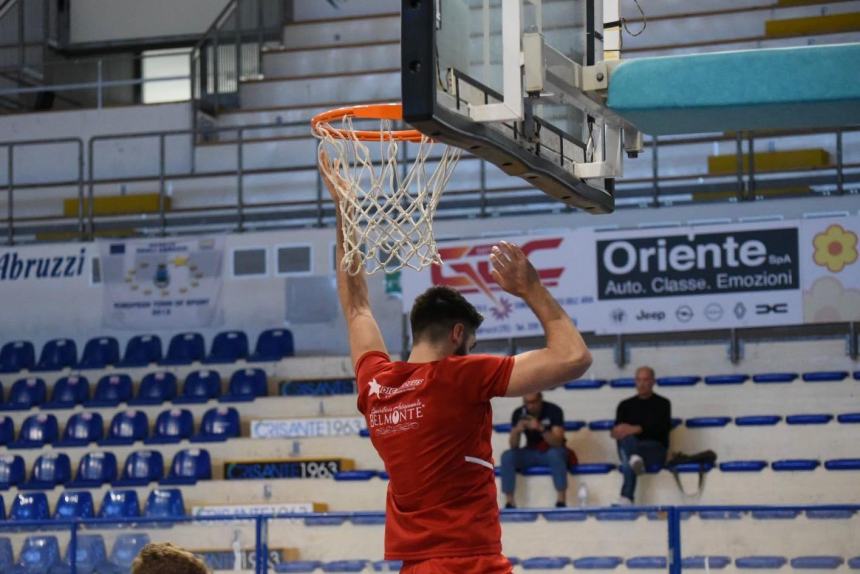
x=642, y=425
x=543, y=424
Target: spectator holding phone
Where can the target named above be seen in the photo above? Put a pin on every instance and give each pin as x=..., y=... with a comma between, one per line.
x=542, y=423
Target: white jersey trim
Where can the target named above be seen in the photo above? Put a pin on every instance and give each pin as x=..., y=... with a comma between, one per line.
x=480, y=461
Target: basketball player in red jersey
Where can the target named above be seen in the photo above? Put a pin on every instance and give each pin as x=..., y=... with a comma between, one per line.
x=430, y=417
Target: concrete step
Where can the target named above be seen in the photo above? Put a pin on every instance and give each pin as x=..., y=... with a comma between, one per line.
x=329, y=60
x=372, y=28
x=379, y=85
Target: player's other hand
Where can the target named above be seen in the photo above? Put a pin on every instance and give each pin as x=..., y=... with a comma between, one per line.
x=512, y=270
x=330, y=175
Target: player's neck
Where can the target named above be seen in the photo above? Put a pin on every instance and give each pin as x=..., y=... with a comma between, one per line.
x=427, y=353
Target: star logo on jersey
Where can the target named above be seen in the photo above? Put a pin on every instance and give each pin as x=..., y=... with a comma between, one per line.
x=374, y=388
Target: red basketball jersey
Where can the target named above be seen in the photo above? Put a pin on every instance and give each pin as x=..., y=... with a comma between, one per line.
x=431, y=423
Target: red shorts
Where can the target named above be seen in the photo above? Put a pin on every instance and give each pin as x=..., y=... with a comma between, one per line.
x=485, y=564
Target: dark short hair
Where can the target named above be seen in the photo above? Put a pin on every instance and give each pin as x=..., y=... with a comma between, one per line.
x=437, y=310
x=165, y=558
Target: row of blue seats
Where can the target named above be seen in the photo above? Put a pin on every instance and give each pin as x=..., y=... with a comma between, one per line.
x=155, y=388
x=97, y=468
x=599, y=563
x=732, y=379
x=41, y=555
x=784, y=465
x=126, y=427
x=143, y=350
x=712, y=422
x=116, y=504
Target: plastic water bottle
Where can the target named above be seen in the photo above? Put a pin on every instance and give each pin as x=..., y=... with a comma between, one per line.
x=582, y=495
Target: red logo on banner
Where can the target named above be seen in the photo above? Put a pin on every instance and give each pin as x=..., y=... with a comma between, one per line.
x=470, y=268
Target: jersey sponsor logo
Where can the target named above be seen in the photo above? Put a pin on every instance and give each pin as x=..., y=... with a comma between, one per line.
x=393, y=419
x=380, y=391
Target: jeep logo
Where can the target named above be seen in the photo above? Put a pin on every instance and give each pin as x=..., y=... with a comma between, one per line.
x=650, y=315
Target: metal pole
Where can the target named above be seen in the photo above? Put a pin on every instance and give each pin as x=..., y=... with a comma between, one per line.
x=11, y=194
x=320, y=211
x=751, y=186
x=840, y=169
x=238, y=43
x=739, y=150
x=240, y=167
x=215, y=79
x=655, y=172
x=82, y=229
x=22, y=59
x=161, y=185
x=483, y=181
x=674, y=520
x=99, y=94
x=260, y=36
x=90, y=211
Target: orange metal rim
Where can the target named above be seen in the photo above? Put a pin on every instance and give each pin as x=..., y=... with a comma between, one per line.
x=392, y=111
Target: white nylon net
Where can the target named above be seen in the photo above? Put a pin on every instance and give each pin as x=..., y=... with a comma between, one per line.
x=387, y=209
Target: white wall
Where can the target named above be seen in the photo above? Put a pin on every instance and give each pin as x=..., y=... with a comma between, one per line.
x=115, y=20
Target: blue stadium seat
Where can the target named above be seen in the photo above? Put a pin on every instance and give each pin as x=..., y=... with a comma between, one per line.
x=90, y=555
x=736, y=379
x=811, y=419
x=545, y=563
x=678, y=381
x=647, y=563
x=593, y=468
x=719, y=515
x=355, y=475
x=760, y=562
x=345, y=566
x=842, y=464
x=676, y=422
x=368, y=518
x=39, y=554
x=565, y=516
x=82, y=429
x=699, y=562
x=172, y=426
x=7, y=557
x=246, y=385
x=743, y=466
x=817, y=562
x=774, y=514
x=825, y=376
x=189, y=466
x=184, y=349
x=165, y=503
x=623, y=383
x=795, y=465
x=37, y=431
x=127, y=427
x=757, y=420
x=17, y=356
x=584, y=384
x=72, y=505
x=518, y=516
x=854, y=563
x=598, y=563
x=601, y=425
x=7, y=430
x=12, y=471
x=273, y=345
x=228, y=347
x=69, y=392
x=774, y=377
x=848, y=418
x=50, y=470
x=94, y=470
x=618, y=515
x=30, y=506
x=829, y=514
x=298, y=566
x=156, y=388
x=574, y=425
x=120, y=504
x=391, y=565
x=125, y=549
x=142, y=351
x=324, y=520
x=26, y=394
x=707, y=422
x=111, y=390
x=99, y=353
x=199, y=387
x=141, y=468
x=57, y=355
x=219, y=424
x=502, y=427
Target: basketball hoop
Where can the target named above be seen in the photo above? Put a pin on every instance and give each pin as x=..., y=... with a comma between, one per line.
x=387, y=214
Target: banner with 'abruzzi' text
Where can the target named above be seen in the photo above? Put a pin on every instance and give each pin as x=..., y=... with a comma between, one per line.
x=161, y=283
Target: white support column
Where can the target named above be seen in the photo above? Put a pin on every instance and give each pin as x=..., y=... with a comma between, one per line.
x=511, y=108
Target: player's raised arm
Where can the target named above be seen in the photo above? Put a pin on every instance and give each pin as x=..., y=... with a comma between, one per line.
x=364, y=333
x=565, y=355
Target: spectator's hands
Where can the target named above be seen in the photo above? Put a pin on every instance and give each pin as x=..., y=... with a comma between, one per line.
x=623, y=430
x=522, y=425
x=512, y=270
x=534, y=424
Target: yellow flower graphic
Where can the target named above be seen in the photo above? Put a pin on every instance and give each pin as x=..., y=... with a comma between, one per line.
x=835, y=248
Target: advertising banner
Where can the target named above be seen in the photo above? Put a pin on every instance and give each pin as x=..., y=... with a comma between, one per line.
x=161, y=283
x=287, y=468
x=830, y=269
x=307, y=428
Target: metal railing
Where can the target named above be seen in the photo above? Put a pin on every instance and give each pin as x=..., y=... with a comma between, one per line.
x=673, y=516
x=26, y=28
x=231, y=50
x=478, y=200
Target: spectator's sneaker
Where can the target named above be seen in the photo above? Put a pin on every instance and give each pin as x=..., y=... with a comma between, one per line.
x=637, y=464
x=561, y=504
x=509, y=506
x=623, y=501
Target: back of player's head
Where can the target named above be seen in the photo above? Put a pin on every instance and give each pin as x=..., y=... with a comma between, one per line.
x=165, y=558
x=437, y=310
